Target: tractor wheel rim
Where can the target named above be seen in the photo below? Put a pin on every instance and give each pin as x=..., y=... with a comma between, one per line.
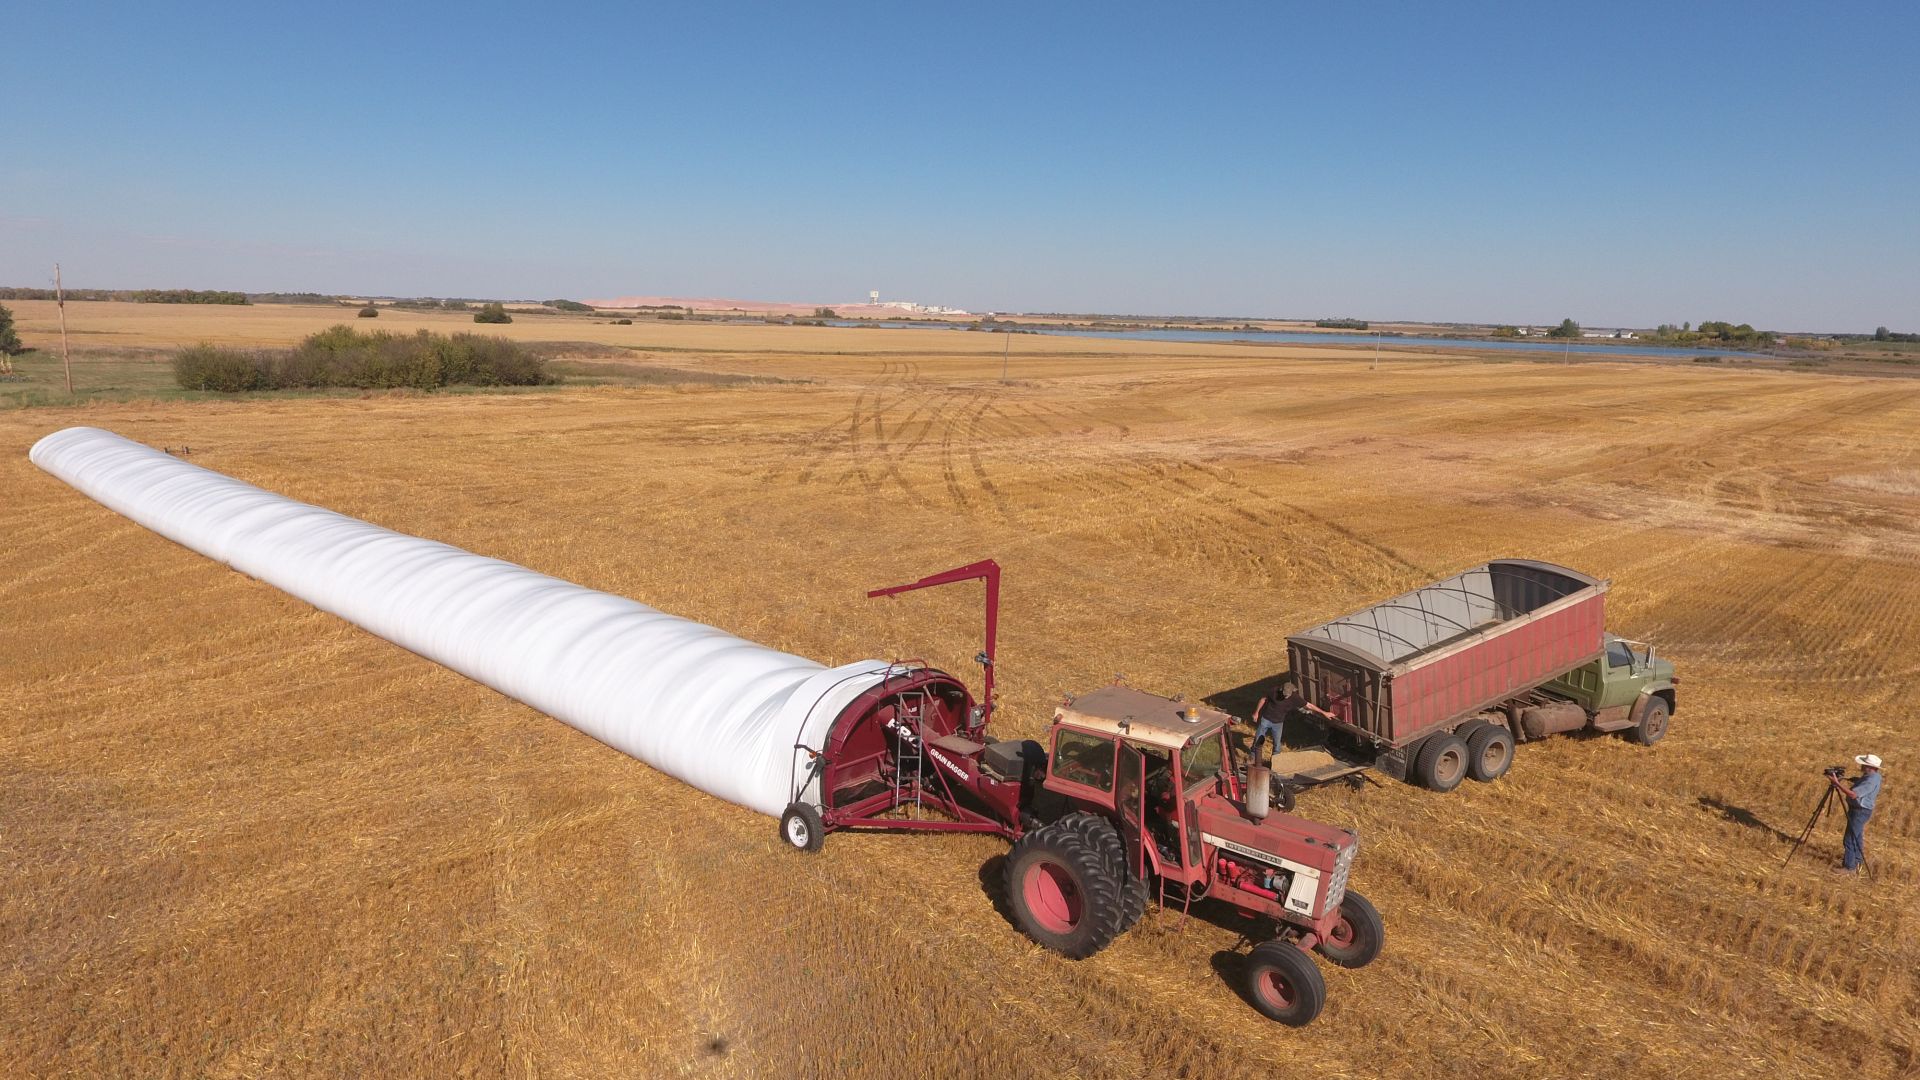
x=796, y=832
x=1275, y=988
x=1492, y=757
x=1450, y=765
x=1342, y=933
x=1052, y=897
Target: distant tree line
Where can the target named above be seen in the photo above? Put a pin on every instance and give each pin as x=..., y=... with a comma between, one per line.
x=344, y=357
x=138, y=296
x=430, y=304
x=1714, y=331
x=568, y=305
x=1341, y=324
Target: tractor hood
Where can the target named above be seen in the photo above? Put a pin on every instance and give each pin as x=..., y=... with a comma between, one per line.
x=1278, y=839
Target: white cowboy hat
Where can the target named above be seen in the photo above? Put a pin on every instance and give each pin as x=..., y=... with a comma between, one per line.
x=1871, y=761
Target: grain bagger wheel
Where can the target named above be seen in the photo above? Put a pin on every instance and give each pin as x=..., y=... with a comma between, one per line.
x=1489, y=752
x=801, y=827
x=1283, y=984
x=1356, y=939
x=1062, y=889
x=1442, y=762
x=1653, y=723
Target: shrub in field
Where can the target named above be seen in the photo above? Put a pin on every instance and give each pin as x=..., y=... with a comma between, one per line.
x=369, y=312
x=495, y=312
x=229, y=371
x=343, y=356
x=9, y=340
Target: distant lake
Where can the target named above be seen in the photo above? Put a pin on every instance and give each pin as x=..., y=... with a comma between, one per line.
x=1291, y=337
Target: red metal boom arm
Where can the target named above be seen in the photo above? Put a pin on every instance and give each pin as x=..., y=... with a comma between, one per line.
x=988, y=571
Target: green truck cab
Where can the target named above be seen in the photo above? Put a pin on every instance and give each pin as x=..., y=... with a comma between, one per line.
x=1626, y=688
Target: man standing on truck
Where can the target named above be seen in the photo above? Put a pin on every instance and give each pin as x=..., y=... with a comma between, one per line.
x=1272, y=712
x=1860, y=793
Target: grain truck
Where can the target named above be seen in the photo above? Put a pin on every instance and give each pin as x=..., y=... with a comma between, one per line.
x=1440, y=684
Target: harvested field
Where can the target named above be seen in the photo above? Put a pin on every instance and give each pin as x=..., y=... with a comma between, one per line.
x=239, y=837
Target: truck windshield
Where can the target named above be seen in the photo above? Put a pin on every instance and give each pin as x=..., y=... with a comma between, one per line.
x=1200, y=760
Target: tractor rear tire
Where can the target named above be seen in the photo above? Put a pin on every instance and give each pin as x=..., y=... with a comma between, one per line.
x=1489, y=752
x=1442, y=762
x=1062, y=888
x=1283, y=983
x=1102, y=834
x=801, y=827
x=1653, y=723
x=1356, y=939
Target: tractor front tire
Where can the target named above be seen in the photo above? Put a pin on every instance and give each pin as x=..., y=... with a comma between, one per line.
x=1062, y=888
x=801, y=827
x=1442, y=762
x=1356, y=939
x=1653, y=723
x=1283, y=983
x=1489, y=752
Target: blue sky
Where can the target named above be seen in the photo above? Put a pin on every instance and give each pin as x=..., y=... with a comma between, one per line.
x=1621, y=164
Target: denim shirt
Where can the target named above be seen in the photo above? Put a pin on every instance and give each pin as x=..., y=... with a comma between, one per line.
x=1865, y=790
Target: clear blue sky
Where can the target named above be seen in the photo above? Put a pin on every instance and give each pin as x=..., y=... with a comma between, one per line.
x=1625, y=164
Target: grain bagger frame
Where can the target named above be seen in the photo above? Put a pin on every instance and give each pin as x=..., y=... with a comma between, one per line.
x=1133, y=797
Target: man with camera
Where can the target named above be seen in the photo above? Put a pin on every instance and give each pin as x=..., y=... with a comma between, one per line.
x=1860, y=793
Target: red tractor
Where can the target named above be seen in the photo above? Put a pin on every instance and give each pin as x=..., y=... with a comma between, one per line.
x=1133, y=798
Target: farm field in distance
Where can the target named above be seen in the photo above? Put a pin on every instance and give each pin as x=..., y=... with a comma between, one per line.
x=240, y=837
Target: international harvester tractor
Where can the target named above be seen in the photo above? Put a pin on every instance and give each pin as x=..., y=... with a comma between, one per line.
x=1132, y=799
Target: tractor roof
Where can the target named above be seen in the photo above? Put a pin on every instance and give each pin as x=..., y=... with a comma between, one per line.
x=1140, y=716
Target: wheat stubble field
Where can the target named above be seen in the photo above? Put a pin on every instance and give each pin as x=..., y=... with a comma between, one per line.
x=241, y=838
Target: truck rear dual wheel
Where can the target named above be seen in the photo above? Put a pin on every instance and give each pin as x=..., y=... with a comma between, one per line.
x=1489, y=752
x=1282, y=982
x=1441, y=763
x=1062, y=891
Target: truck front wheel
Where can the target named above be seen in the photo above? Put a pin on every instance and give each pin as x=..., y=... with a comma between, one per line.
x=1283, y=984
x=1653, y=723
x=1441, y=763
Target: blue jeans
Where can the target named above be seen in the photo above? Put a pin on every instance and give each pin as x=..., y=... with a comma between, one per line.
x=1267, y=728
x=1856, y=843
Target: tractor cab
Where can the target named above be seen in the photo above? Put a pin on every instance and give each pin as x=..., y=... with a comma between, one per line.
x=1146, y=761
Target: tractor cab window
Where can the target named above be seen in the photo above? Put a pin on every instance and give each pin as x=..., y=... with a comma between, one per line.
x=1619, y=654
x=1201, y=760
x=1080, y=758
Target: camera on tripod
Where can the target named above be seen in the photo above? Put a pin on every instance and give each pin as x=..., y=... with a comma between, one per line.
x=1835, y=770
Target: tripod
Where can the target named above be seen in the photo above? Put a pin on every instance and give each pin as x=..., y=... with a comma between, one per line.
x=1819, y=811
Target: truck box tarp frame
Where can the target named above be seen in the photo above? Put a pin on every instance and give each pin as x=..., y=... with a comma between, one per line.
x=1401, y=668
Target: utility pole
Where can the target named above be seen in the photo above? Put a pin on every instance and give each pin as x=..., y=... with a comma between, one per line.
x=1005, y=348
x=60, y=300
x=1376, y=351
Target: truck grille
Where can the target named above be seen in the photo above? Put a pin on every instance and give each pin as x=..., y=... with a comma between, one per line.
x=1337, y=881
